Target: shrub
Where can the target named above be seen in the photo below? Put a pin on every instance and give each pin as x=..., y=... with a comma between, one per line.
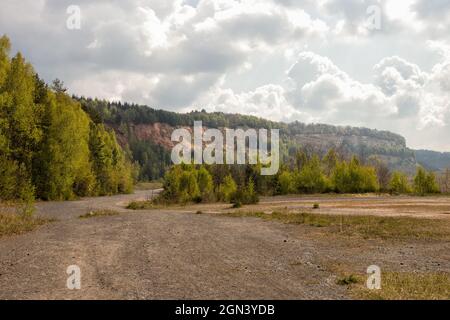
x=227, y=189
x=247, y=194
x=352, y=177
x=351, y=279
x=286, y=183
x=399, y=183
x=311, y=179
x=425, y=182
x=205, y=184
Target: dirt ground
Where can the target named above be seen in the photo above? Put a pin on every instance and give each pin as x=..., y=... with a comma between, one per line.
x=174, y=253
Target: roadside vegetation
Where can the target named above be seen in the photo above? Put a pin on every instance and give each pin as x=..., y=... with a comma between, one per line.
x=389, y=228
x=243, y=184
x=141, y=205
x=401, y=286
x=14, y=223
x=99, y=213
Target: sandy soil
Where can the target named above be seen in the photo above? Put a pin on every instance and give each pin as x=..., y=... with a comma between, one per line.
x=177, y=254
x=378, y=205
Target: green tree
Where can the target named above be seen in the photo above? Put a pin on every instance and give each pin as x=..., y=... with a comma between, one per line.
x=227, y=189
x=425, y=182
x=113, y=172
x=189, y=190
x=399, y=183
x=48, y=143
x=205, y=184
x=171, y=184
x=63, y=168
x=311, y=179
x=352, y=177
x=246, y=194
x=286, y=183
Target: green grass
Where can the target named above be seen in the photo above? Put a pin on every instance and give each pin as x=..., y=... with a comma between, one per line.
x=399, y=228
x=99, y=213
x=12, y=224
x=348, y=280
x=405, y=286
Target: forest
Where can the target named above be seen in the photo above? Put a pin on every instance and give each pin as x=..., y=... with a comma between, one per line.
x=118, y=113
x=50, y=148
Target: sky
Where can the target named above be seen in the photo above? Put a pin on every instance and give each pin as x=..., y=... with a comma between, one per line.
x=382, y=64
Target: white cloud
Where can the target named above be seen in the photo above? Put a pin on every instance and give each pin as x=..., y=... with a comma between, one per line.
x=280, y=59
x=267, y=102
x=393, y=74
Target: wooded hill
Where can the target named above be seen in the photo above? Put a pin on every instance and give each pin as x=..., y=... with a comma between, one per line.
x=146, y=132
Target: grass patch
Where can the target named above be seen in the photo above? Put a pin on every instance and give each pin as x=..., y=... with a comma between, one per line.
x=12, y=223
x=141, y=205
x=99, y=213
x=407, y=286
x=398, y=228
x=348, y=280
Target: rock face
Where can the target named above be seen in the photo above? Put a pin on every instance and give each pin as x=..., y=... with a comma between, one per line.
x=158, y=133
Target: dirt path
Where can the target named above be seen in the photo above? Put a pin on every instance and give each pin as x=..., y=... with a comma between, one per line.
x=174, y=255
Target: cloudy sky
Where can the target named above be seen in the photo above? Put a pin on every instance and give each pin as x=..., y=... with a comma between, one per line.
x=381, y=64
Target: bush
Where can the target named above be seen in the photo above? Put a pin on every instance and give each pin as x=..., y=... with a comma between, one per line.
x=425, y=182
x=286, y=183
x=247, y=194
x=351, y=279
x=205, y=184
x=311, y=178
x=352, y=177
x=399, y=183
x=228, y=189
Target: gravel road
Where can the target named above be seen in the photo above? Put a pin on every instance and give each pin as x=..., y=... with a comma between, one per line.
x=179, y=255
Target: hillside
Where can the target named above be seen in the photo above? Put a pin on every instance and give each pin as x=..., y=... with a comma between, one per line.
x=433, y=160
x=146, y=133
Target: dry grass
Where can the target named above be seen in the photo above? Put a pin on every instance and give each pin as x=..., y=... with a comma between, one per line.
x=99, y=213
x=403, y=286
x=12, y=223
x=397, y=228
x=141, y=205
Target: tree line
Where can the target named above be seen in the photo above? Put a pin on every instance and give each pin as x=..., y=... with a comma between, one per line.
x=49, y=147
x=118, y=113
x=243, y=184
